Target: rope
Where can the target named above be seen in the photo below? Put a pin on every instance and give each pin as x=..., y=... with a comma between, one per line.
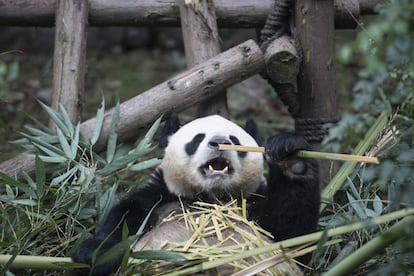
x=278, y=24
x=313, y=129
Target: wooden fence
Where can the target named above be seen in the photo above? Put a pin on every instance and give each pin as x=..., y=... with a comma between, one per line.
x=209, y=71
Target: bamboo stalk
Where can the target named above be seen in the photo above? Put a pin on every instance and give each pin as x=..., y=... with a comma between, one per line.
x=241, y=148
x=36, y=262
x=347, y=168
x=307, y=154
x=373, y=247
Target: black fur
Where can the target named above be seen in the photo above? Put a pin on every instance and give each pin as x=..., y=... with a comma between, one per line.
x=192, y=146
x=236, y=141
x=287, y=207
x=172, y=124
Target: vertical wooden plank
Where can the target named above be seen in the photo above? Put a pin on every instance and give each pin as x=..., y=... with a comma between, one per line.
x=316, y=81
x=69, y=55
x=315, y=26
x=201, y=42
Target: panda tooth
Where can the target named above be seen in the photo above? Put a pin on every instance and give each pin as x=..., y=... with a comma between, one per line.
x=210, y=168
x=226, y=170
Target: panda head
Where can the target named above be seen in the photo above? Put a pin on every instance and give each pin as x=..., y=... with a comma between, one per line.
x=193, y=165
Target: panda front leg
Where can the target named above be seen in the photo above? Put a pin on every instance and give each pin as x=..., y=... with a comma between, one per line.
x=92, y=249
x=131, y=210
x=290, y=206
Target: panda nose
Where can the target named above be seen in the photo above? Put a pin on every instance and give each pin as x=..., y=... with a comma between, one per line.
x=214, y=143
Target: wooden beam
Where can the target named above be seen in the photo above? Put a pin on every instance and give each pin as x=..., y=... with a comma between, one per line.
x=69, y=56
x=202, y=42
x=230, y=14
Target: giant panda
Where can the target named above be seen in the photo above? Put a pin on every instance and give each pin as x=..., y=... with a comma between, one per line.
x=285, y=203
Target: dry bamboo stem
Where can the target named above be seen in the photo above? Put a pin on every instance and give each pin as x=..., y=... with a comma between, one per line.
x=308, y=154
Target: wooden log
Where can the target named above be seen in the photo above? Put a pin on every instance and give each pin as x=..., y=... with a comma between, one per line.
x=201, y=42
x=230, y=14
x=69, y=56
x=21, y=163
x=282, y=60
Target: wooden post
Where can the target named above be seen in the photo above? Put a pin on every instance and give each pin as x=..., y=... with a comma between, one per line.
x=201, y=42
x=69, y=56
x=316, y=81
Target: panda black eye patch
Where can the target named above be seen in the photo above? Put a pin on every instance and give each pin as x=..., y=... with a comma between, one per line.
x=192, y=146
x=236, y=141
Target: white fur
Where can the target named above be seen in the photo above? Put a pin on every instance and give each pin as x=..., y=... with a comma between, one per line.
x=181, y=171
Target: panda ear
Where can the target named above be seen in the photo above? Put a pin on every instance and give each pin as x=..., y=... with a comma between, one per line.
x=251, y=128
x=171, y=125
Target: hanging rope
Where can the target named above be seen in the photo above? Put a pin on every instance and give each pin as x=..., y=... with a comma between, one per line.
x=278, y=24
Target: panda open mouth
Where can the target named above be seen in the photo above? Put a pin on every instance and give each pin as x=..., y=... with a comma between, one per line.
x=217, y=166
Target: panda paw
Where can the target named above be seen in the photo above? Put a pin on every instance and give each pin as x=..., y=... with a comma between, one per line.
x=283, y=146
x=84, y=255
x=280, y=151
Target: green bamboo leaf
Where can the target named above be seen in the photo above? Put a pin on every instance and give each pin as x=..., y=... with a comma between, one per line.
x=25, y=202
x=107, y=201
x=320, y=246
x=75, y=142
x=112, y=138
x=120, y=163
x=4, y=178
x=87, y=213
x=44, y=146
x=49, y=152
x=55, y=118
x=55, y=159
x=377, y=204
x=30, y=182
x=145, y=221
x=46, y=139
x=66, y=120
x=64, y=144
x=146, y=141
x=115, y=251
x=371, y=213
x=145, y=164
x=163, y=255
x=40, y=176
x=359, y=210
x=10, y=192
x=99, y=122
x=21, y=142
x=354, y=191
x=64, y=178
x=38, y=132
